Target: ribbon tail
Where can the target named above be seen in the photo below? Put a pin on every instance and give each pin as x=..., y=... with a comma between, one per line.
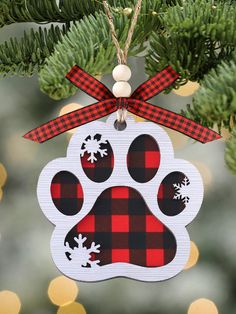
x=89, y=84
x=172, y=120
x=71, y=120
x=156, y=84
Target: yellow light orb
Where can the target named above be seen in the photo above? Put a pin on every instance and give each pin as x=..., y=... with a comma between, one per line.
x=1, y=194
x=188, y=89
x=205, y=173
x=137, y=118
x=25, y=151
x=98, y=77
x=69, y=108
x=68, y=136
x=9, y=302
x=3, y=175
x=203, y=306
x=178, y=139
x=225, y=134
x=194, y=256
x=73, y=308
x=62, y=291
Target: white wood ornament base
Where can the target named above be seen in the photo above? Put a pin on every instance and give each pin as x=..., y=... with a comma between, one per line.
x=120, y=203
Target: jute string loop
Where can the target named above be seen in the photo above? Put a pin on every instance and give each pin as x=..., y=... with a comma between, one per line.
x=122, y=55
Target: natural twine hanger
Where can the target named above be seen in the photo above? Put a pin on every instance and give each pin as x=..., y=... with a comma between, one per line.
x=122, y=55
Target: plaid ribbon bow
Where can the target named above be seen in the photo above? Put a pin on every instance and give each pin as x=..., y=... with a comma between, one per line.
x=135, y=104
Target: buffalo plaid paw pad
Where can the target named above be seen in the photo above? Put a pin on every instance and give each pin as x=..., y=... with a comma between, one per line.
x=120, y=202
x=126, y=230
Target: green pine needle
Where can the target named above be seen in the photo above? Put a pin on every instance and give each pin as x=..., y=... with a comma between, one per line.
x=63, y=11
x=215, y=102
x=230, y=153
x=24, y=57
x=196, y=38
x=17, y=11
x=89, y=45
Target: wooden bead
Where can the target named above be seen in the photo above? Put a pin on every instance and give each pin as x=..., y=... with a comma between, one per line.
x=121, y=89
x=121, y=73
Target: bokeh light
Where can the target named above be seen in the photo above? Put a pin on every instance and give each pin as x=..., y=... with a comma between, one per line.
x=62, y=291
x=205, y=172
x=98, y=77
x=9, y=302
x=178, y=139
x=188, y=89
x=203, y=306
x=3, y=178
x=225, y=134
x=193, y=257
x=26, y=152
x=69, y=108
x=137, y=118
x=73, y=308
x=3, y=175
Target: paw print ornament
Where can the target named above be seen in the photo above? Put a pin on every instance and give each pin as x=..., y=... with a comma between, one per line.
x=120, y=201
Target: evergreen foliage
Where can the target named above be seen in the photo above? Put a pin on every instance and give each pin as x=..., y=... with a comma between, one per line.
x=17, y=11
x=62, y=11
x=230, y=155
x=93, y=50
x=196, y=37
x=215, y=102
x=26, y=56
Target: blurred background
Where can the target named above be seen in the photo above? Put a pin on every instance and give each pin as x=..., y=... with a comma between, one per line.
x=29, y=280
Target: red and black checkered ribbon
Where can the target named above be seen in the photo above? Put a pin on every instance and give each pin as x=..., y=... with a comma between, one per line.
x=108, y=104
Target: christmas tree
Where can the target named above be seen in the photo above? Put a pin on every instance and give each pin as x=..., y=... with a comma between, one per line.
x=196, y=37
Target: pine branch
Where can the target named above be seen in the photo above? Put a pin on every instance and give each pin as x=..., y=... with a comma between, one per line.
x=196, y=38
x=45, y=11
x=230, y=153
x=17, y=11
x=215, y=102
x=199, y=40
x=27, y=55
x=93, y=50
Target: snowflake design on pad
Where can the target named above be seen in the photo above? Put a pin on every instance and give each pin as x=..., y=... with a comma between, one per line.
x=92, y=146
x=182, y=190
x=81, y=255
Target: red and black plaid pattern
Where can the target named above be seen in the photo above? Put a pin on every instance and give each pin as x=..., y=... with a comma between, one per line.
x=167, y=204
x=88, y=84
x=100, y=170
x=127, y=231
x=172, y=120
x=67, y=193
x=72, y=120
x=136, y=104
x=156, y=84
x=143, y=158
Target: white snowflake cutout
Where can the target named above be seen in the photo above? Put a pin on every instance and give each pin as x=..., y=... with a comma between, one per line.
x=92, y=146
x=182, y=190
x=81, y=255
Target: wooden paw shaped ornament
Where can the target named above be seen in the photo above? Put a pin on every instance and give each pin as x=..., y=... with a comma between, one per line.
x=120, y=203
